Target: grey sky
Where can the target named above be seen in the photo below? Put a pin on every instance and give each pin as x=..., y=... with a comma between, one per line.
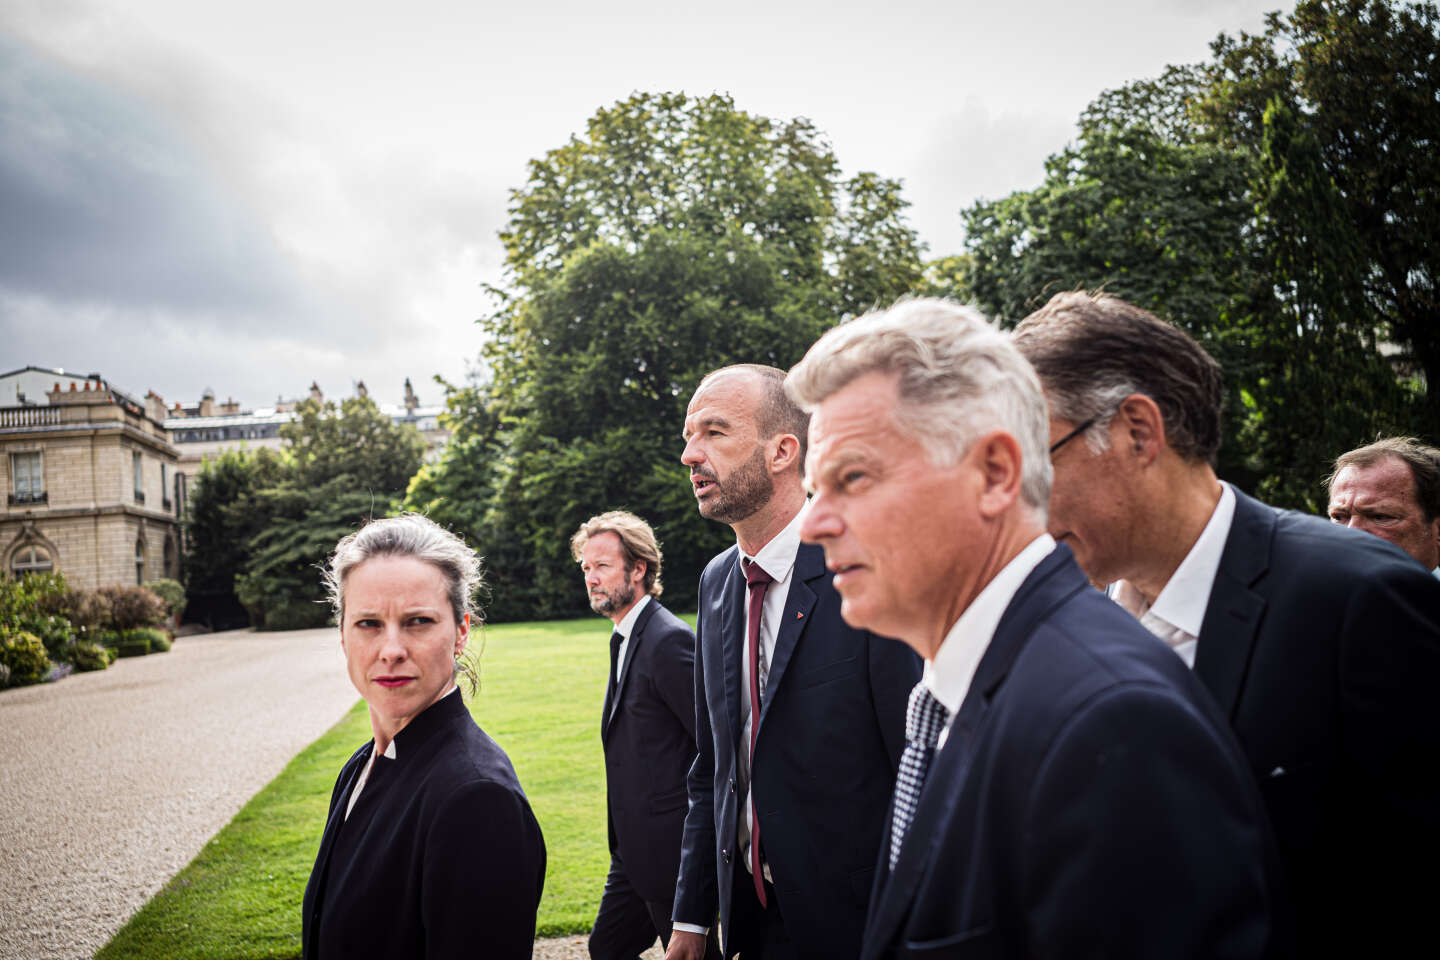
x=251, y=196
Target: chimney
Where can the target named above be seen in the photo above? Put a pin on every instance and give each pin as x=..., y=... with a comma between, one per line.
x=155, y=407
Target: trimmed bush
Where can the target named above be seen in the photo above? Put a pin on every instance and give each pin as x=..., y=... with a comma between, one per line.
x=137, y=647
x=110, y=639
x=24, y=655
x=89, y=656
x=155, y=639
x=171, y=592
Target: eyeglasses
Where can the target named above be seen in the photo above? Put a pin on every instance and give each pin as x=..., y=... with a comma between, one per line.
x=1073, y=434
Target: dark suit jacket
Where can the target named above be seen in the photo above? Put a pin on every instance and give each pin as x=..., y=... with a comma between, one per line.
x=441, y=856
x=1322, y=647
x=1090, y=802
x=832, y=728
x=649, y=743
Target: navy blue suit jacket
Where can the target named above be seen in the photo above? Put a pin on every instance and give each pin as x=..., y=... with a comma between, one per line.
x=649, y=740
x=1322, y=647
x=832, y=728
x=1090, y=802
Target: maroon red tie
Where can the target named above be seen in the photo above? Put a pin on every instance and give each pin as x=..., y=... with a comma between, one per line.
x=759, y=582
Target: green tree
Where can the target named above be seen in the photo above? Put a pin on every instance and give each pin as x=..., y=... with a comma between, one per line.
x=674, y=236
x=220, y=520
x=1356, y=85
x=355, y=439
x=260, y=524
x=1277, y=203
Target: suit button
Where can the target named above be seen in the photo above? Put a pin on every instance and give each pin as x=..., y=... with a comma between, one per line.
x=732, y=784
x=725, y=855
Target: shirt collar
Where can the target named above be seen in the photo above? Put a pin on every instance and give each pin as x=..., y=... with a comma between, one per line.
x=777, y=557
x=1183, y=599
x=949, y=674
x=627, y=622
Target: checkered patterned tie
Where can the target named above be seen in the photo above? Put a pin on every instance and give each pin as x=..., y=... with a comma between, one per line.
x=924, y=720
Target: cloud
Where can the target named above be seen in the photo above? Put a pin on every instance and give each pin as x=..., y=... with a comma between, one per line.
x=108, y=199
x=976, y=154
x=175, y=228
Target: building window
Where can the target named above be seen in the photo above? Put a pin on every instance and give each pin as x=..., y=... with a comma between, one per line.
x=31, y=558
x=137, y=463
x=170, y=569
x=139, y=562
x=165, y=503
x=27, y=471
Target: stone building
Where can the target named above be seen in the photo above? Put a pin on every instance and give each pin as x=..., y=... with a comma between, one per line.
x=90, y=480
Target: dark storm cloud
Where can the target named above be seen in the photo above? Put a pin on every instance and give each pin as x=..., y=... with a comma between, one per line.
x=107, y=197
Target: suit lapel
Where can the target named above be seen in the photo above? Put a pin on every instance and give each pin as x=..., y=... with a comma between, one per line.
x=799, y=602
x=337, y=818
x=1049, y=584
x=637, y=635
x=732, y=636
x=1234, y=611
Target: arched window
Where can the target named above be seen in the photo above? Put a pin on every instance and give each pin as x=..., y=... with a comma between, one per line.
x=170, y=570
x=139, y=562
x=31, y=558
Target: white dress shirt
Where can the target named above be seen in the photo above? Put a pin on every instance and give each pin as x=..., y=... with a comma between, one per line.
x=389, y=754
x=625, y=627
x=949, y=674
x=1179, y=611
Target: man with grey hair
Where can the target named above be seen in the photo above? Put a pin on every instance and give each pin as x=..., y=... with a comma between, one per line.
x=1067, y=788
x=1321, y=646
x=1391, y=488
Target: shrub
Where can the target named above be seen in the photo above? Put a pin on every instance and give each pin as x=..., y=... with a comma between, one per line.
x=132, y=607
x=87, y=610
x=136, y=647
x=171, y=592
x=109, y=639
x=54, y=631
x=154, y=641
x=59, y=671
x=24, y=655
x=152, y=637
x=91, y=656
x=33, y=593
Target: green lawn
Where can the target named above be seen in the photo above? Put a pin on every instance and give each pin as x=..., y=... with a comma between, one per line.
x=542, y=685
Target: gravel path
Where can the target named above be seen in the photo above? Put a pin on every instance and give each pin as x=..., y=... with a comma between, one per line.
x=111, y=782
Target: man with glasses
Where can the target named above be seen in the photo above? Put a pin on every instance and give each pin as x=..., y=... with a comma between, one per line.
x=1321, y=645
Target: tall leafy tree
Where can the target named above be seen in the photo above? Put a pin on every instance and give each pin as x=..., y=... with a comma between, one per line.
x=1278, y=203
x=1355, y=84
x=261, y=524
x=675, y=235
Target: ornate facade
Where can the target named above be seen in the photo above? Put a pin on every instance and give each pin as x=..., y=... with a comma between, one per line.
x=90, y=480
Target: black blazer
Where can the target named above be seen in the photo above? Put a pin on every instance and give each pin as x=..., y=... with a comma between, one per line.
x=1322, y=647
x=649, y=740
x=440, y=858
x=1090, y=802
x=832, y=729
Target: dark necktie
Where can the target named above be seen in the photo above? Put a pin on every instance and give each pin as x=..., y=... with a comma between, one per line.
x=759, y=582
x=616, y=639
x=924, y=719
